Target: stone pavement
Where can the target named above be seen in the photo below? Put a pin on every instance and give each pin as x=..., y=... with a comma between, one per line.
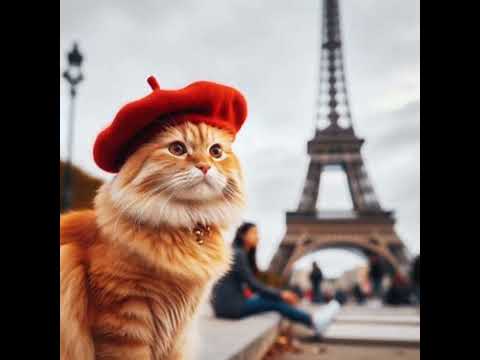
x=359, y=332
x=413, y=320
x=374, y=333
x=348, y=352
x=368, y=325
x=246, y=339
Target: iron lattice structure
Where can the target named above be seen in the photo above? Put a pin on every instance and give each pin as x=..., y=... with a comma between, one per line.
x=368, y=227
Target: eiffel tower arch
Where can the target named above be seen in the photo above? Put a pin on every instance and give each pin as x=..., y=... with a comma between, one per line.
x=368, y=227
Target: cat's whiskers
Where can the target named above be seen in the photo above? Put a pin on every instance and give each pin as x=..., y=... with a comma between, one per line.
x=155, y=178
x=174, y=183
x=170, y=184
x=166, y=203
x=217, y=180
x=233, y=193
x=233, y=208
x=145, y=199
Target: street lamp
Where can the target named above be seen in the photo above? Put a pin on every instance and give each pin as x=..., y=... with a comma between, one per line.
x=74, y=76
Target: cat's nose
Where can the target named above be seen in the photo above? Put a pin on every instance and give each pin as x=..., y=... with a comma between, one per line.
x=203, y=168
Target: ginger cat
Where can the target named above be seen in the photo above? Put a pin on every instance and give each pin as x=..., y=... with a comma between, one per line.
x=135, y=269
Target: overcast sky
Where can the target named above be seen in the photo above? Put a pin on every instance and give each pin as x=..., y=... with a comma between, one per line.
x=268, y=49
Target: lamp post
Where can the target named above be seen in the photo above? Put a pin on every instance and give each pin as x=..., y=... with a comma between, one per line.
x=74, y=76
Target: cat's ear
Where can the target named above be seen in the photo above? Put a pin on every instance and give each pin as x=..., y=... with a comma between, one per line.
x=153, y=83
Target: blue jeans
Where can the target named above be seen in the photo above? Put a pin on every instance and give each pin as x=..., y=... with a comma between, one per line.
x=377, y=287
x=417, y=293
x=258, y=304
x=317, y=296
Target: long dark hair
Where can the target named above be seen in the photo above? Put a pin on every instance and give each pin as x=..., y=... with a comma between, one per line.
x=238, y=242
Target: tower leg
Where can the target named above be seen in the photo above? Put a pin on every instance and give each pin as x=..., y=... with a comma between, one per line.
x=363, y=196
x=281, y=258
x=354, y=186
x=310, y=191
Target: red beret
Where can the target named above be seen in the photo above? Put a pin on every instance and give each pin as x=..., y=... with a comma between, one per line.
x=214, y=104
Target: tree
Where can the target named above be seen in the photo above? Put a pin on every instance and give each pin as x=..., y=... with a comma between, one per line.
x=84, y=187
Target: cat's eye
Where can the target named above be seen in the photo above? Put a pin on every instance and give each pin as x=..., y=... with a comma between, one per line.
x=216, y=151
x=177, y=148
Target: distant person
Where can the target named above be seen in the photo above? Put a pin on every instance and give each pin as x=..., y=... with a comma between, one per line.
x=358, y=294
x=341, y=296
x=376, y=273
x=415, y=275
x=316, y=278
x=399, y=292
x=228, y=299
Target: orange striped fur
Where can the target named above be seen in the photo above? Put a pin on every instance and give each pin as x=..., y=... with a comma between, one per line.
x=132, y=273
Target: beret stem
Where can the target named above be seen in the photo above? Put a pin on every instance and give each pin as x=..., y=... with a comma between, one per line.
x=153, y=83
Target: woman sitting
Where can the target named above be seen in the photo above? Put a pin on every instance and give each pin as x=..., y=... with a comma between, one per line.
x=229, y=300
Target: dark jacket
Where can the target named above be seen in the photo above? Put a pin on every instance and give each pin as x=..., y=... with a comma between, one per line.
x=398, y=295
x=227, y=296
x=316, y=275
x=376, y=269
x=358, y=294
x=416, y=271
x=400, y=292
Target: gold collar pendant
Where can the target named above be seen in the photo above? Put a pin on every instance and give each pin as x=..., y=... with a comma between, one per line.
x=201, y=231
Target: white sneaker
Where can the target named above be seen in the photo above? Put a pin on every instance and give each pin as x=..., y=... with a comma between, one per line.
x=323, y=317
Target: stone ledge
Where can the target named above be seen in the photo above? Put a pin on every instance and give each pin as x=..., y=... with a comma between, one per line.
x=246, y=339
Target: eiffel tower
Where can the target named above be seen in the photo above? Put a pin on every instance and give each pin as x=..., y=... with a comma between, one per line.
x=368, y=227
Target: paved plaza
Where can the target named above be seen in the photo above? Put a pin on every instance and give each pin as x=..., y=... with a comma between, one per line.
x=359, y=332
